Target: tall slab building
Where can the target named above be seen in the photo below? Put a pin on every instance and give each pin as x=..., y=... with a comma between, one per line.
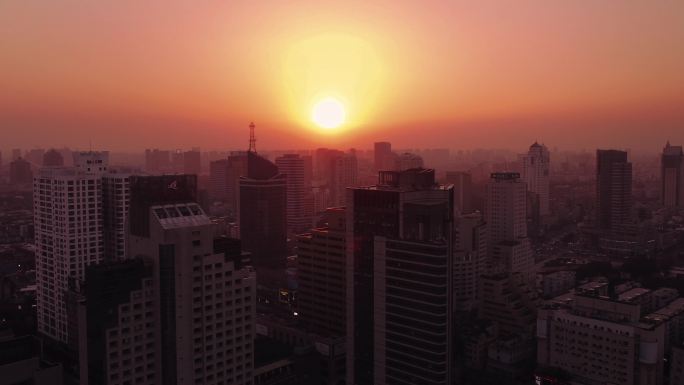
x=399, y=282
x=672, y=176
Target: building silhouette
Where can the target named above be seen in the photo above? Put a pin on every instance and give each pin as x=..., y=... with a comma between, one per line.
x=383, y=156
x=20, y=172
x=405, y=215
x=613, y=191
x=463, y=190
x=298, y=191
x=535, y=168
x=506, y=216
x=344, y=173
x=321, y=269
x=53, y=158
x=263, y=206
x=218, y=180
x=672, y=176
x=470, y=260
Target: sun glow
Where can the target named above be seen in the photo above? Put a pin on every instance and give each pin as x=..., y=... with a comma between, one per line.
x=328, y=113
x=333, y=82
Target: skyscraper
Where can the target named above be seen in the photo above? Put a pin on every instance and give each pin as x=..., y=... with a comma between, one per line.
x=263, y=205
x=344, y=173
x=20, y=172
x=613, y=191
x=192, y=162
x=237, y=167
x=115, y=202
x=470, y=259
x=218, y=180
x=157, y=161
x=53, y=158
x=535, y=166
x=463, y=190
x=293, y=167
x=505, y=213
x=114, y=323
x=321, y=269
x=384, y=157
x=407, y=161
x=672, y=176
x=207, y=297
x=407, y=212
x=68, y=234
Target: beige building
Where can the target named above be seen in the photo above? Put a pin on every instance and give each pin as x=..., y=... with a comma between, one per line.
x=602, y=340
x=321, y=269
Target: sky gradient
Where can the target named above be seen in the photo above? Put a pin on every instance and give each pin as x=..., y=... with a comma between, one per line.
x=127, y=75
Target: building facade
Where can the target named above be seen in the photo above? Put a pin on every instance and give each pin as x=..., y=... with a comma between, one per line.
x=672, y=176
x=535, y=167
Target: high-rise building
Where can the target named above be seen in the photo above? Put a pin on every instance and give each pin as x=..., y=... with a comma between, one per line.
x=672, y=176
x=321, y=270
x=323, y=159
x=505, y=213
x=293, y=167
x=207, y=296
x=157, y=161
x=53, y=158
x=413, y=304
x=115, y=202
x=20, y=172
x=613, y=190
x=535, y=167
x=178, y=161
x=344, y=174
x=263, y=205
x=237, y=167
x=384, y=157
x=16, y=153
x=463, y=190
x=35, y=156
x=598, y=339
x=192, y=162
x=411, y=213
x=470, y=257
x=114, y=323
x=407, y=161
x=68, y=234
x=218, y=180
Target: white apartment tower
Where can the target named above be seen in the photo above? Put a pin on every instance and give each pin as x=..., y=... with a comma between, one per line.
x=509, y=247
x=68, y=233
x=293, y=166
x=115, y=201
x=535, y=172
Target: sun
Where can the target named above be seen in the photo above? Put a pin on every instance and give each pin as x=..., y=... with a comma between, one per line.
x=328, y=113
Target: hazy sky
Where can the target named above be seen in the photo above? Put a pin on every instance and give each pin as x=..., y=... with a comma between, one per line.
x=458, y=74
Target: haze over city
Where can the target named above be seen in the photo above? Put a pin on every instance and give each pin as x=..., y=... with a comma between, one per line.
x=341, y=192
x=130, y=75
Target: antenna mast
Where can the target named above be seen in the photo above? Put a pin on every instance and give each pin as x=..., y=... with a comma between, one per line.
x=252, y=138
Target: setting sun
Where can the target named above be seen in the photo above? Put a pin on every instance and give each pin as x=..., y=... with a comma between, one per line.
x=328, y=113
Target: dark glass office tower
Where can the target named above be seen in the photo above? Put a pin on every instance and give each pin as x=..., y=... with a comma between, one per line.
x=263, y=205
x=404, y=223
x=613, y=190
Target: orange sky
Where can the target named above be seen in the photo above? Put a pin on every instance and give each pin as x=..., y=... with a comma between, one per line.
x=130, y=74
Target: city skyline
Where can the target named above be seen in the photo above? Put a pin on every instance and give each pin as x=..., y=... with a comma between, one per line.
x=342, y=193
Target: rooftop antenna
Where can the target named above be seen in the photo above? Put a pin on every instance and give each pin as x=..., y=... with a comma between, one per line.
x=252, y=138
